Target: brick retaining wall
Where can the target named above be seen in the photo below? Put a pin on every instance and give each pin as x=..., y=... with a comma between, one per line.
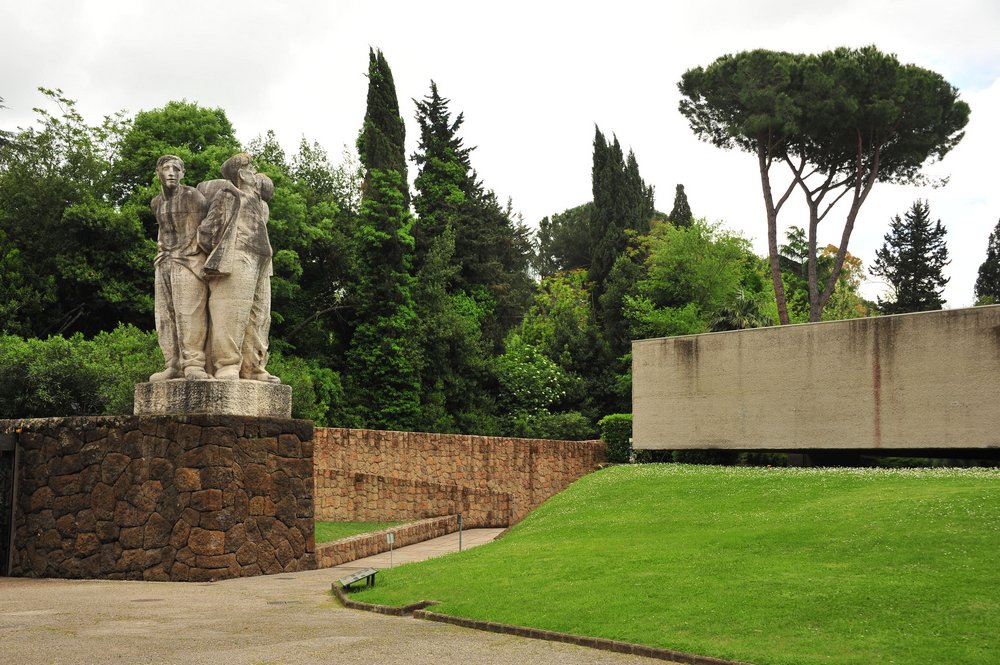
x=493, y=481
x=333, y=554
x=196, y=498
x=372, y=498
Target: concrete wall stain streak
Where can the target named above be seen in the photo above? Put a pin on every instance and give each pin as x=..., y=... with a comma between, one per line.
x=910, y=381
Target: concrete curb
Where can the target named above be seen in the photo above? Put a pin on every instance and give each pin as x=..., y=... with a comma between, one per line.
x=579, y=640
x=405, y=610
x=418, y=612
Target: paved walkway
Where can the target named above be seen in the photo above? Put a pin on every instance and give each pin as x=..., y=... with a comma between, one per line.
x=288, y=619
x=420, y=551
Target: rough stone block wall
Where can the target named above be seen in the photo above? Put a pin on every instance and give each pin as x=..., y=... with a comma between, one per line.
x=409, y=464
x=196, y=498
x=335, y=553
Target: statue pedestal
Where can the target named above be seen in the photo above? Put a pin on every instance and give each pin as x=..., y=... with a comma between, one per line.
x=181, y=397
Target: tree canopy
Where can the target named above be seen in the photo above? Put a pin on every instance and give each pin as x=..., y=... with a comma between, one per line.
x=840, y=121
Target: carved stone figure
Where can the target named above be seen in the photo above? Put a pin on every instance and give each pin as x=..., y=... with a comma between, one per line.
x=238, y=270
x=180, y=289
x=213, y=296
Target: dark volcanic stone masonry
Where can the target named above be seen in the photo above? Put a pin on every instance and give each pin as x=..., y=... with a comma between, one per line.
x=196, y=498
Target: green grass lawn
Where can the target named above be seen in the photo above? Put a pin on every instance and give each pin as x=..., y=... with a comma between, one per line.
x=329, y=531
x=791, y=566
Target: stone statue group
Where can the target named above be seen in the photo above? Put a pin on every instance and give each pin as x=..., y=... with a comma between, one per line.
x=213, y=273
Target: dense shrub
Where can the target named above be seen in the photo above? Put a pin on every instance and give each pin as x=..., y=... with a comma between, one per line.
x=75, y=376
x=317, y=393
x=568, y=426
x=616, y=430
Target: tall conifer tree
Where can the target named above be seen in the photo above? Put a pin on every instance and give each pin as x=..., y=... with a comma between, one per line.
x=680, y=214
x=380, y=144
x=621, y=201
x=988, y=281
x=383, y=358
x=491, y=248
x=607, y=222
x=912, y=260
x=444, y=182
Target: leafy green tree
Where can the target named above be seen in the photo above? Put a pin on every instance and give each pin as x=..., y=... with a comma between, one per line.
x=562, y=323
x=72, y=259
x=647, y=320
x=988, y=280
x=204, y=138
x=622, y=210
x=691, y=273
x=743, y=311
x=701, y=264
x=680, y=214
x=317, y=393
x=455, y=364
x=534, y=394
x=563, y=241
x=471, y=273
x=840, y=121
x=912, y=260
x=383, y=359
x=626, y=272
x=311, y=229
x=530, y=381
x=316, y=321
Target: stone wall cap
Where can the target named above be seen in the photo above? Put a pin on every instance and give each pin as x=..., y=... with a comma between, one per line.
x=214, y=397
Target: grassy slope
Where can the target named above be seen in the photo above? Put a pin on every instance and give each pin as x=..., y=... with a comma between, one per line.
x=329, y=531
x=764, y=565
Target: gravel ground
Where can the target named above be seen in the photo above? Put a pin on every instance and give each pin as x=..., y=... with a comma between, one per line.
x=279, y=619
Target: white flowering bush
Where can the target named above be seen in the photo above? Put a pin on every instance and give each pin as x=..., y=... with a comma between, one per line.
x=530, y=381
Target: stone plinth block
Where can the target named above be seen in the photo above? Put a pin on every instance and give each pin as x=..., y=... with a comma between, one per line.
x=182, y=397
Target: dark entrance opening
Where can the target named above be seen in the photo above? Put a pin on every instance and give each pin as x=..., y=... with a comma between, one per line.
x=7, y=449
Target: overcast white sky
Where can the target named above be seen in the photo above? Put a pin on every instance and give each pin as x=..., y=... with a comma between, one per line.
x=532, y=78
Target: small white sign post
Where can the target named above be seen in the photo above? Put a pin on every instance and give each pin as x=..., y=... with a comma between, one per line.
x=391, y=539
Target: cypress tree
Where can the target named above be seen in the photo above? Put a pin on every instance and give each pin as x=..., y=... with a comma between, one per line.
x=607, y=223
x=680, y=214
x=380, y=143
x=640, y=197
x=383, y=357
x=622, y=201
x=911, y=260
x=988, y=282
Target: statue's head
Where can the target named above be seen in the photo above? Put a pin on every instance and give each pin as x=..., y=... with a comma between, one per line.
x=170, y=171
x=265, y=186
x=239, y=170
